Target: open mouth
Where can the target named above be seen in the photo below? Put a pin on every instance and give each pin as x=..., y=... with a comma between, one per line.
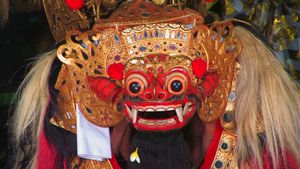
x=159, y=115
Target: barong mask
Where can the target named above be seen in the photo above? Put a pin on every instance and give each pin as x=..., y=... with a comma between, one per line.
x=156, y=66
x=157, y=72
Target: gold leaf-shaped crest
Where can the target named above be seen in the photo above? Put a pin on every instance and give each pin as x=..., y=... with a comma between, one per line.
x=222, y=49
x=86, y=54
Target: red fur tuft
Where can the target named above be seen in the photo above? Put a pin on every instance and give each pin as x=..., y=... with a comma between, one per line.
x=46, y=158
x=114, y=163
x=212, y=149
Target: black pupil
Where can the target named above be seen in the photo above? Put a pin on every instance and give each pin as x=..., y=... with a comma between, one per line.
x=176, y=86
x=135, y=87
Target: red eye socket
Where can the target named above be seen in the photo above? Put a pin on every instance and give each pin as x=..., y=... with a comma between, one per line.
x=135, y=84
x=176, y=83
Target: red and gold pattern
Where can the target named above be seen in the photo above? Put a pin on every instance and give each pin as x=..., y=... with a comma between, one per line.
x=222, y=48
x=78, y=163
x=157, y=74
x=101, y=65
x=226, y=156
x=157, y=66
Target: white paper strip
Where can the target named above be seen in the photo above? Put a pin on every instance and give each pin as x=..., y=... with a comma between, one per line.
x=93, y=142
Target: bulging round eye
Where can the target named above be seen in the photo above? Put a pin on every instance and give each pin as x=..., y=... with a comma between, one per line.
x=176, y=86
x=135, y=84
x=176, y=83
x=135, y=87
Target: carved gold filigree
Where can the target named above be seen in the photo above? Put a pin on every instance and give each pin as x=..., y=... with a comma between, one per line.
x=66, y=117
x=84, y=56
x=142, y=63
x=158, y=38
x=222, y=48
x=171, y=39
x=78, y=163
x=227, y=119
x=91, y=52
x=62, y=19
x=226, y=155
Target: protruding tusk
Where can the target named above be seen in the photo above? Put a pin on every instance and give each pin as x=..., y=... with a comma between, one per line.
x=179, y=114
x=128, y=109
x=186, y=108
x=134, y=115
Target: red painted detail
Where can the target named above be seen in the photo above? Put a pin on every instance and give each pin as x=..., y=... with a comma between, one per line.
x=212, y=149
x=160, y=69
x=104, y=87
x=161, y=96
x=148, y=96
x=113, y=161
x=157, y=88
x=115, y=71
x=160, y=93
x=161, y=57
x=156, y=91
x=210, y=83
x=199, y=67
x=75, y=4
x=47, y=154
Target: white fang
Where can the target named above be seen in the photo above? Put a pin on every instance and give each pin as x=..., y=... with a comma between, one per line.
x=179, y=114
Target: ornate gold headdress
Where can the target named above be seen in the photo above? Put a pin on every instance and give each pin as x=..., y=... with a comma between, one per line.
x=136, y=30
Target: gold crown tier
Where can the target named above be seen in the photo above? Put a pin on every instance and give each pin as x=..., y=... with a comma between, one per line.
x=171, y=39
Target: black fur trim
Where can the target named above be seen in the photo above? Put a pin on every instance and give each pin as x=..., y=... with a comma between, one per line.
x=167, y=150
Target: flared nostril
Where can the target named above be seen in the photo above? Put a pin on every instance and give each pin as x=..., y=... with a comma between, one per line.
x=148, y=96
x=161, y=96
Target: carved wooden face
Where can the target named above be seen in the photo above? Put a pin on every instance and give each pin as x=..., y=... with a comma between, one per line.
x=159, y=97
x=159, y=92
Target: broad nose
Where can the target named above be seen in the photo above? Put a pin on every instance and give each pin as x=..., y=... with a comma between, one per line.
x=155, y=92
x=160, y=92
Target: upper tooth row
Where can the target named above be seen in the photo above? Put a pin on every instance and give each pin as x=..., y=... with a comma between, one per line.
x=159, y=109
x=162, y=108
